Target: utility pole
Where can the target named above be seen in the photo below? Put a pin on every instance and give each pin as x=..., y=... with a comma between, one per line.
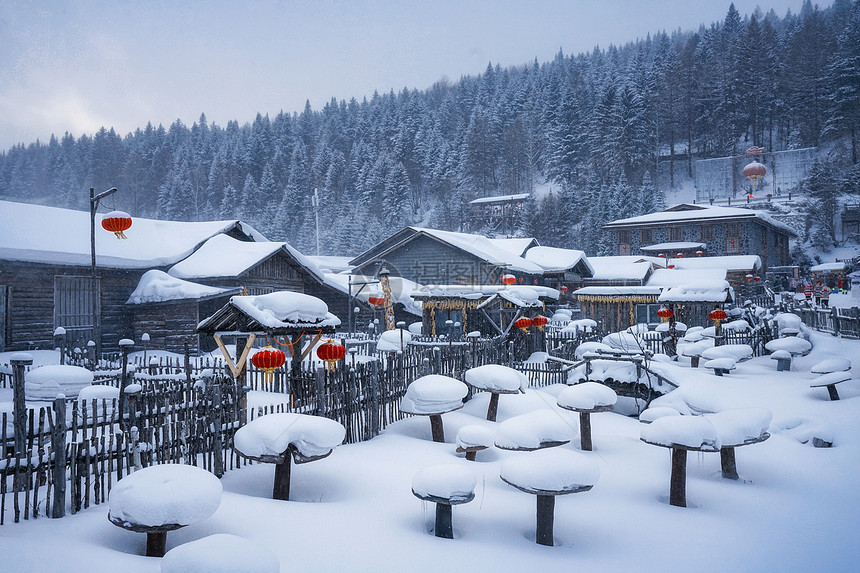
x=315, y=203
x=94, y=205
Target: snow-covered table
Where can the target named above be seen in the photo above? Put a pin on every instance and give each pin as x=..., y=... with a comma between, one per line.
x=721, y=366
x=796, y=346
x=587, y=398
x=445, y=485
x=738, y=427
x=783, y=360
x=831, y=365
x=161, y=498
x=830, y=381
x=534, y=431
x=547, y=474
x=434, y=395
x=681, y=434
x=496, y=379
x=472, y=439
x=285, y=437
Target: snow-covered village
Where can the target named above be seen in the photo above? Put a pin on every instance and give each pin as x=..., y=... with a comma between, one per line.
x=399, y=331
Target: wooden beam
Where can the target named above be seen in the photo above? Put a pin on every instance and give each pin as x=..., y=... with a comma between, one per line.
x=235, y=369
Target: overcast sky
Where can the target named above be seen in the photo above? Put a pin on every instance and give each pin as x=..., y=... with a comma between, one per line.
x=78, y=65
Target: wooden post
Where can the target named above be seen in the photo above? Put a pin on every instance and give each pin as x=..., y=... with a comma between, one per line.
x=19, y=405
x=58, y=445
x=444, y=526
x=156, y=543
x=123, y=382
x=493, y=408
x=585, y=431
x=217, y=411
x=545, y=519
x=436, y=428
x=678, y=481
x=320, y=390
x=728, y=465
x=281, y=487
x=374, y=398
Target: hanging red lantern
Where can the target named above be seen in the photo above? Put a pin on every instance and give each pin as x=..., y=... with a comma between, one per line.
x=563, y=289
x=268, y=360
x=540, y=322
x=757, y=279
x=748, y=277
x=699, y=253
x=717, y=315
x=116, y=222
x=509, y=279
x=665, y=313
x=376, y=300
x=331, y=353
x=662, y=256
x=679, y=256
x=754, y=171
x=670, y=267
x=523, y=323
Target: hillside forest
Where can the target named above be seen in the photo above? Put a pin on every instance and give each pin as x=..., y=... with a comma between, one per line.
x=593, y=136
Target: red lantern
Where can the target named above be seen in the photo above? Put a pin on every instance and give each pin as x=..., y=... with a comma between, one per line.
x=665, y=313
x=563, y=289
x=748, y=277
x=523, y=323
x=757, y=279
x=754, y=171
x=662, y=256
x=717, y=315
x=268, y=360
x=699, y=253
x=670, y=267
x=331, y=353
x=116, y=222
x=540, y=322
x=376, y=300
x=509, y=279
x=679, y=256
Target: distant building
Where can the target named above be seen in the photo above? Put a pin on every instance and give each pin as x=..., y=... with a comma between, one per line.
x=501, y=214
x=715, y=231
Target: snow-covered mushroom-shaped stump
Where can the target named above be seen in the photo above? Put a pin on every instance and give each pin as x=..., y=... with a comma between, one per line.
x=737, y=352
x=587, y=398
x=285, y=437
x=472, y=439
x=830, y=381
x=831, y=365
x=534, y=431
x=496, y=379
x=220, y=553
x=445, y=485
x=547, y=474
x=681, y=434
x=161, y=498
x=434, y=395
x=738, y=427
x=783, y=360
x=46, y=382
x=794, y=345
x=650, y=414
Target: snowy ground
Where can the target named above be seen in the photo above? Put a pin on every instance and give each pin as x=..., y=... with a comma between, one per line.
x=796, y=507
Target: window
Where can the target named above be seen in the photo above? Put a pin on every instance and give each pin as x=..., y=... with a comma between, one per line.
x=733, y=238
x=73, y=299
x=647, y=314
x=624, y=242
x=646, y=236
x=706, y=233
x=676, y=234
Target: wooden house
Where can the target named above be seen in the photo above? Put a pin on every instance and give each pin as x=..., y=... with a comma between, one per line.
x=499, y=214
x=563, y=269
x=46, y=278
x=433, y=257
x=717, y=231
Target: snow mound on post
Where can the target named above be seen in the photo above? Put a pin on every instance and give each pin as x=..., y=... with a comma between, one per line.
x=220, y=553
x=550, y=470
x=791, y=344
x=445, y=481
x=531, y=431
x=738, y=352
x=433, y=394
x=586, y=396
x=737, y=426
x=272, y=434
x=165, y=494
x=473, y=436
x=390, y=340
x=690, y=431
x=46, y=382
x=496, y=378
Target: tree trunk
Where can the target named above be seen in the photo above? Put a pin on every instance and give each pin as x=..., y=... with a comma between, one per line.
x=678, y=482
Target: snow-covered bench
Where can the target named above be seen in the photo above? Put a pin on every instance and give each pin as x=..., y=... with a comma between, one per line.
x=830, y=381
x=721, y=366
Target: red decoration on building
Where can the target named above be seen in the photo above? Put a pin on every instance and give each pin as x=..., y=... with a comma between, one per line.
x=679, y=256
x=670, y=266
x=662, y=256
x=717, y=315
x=748, y=277
x=757, y=279
x=509, y=279
x=523, y=323
x=331, y=353
x=699, y=253
x=116, y=222
x=268, y=360
x=665, y=313
x=540, y=322
x=563, y=289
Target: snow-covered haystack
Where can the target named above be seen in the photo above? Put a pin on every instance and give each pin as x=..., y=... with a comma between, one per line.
x=272, y=434
x=46, y=382
x=393, y=340
x=220, y=553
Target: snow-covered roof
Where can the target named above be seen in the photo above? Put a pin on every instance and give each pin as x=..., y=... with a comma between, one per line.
x=331, y=263
x=224, y=256
x=620, y=268
x=515, y=245
x=158, y=286
x=670, y=248
x=272, y=311
x=729, y=263
x=618, y=291
x=827, y=267
x=554, y=259
x=40, y=234
x=483, y=248
x=515, y=293
x=687, y=213
x=677, y=277
x=500, y=199
x=401, y=288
